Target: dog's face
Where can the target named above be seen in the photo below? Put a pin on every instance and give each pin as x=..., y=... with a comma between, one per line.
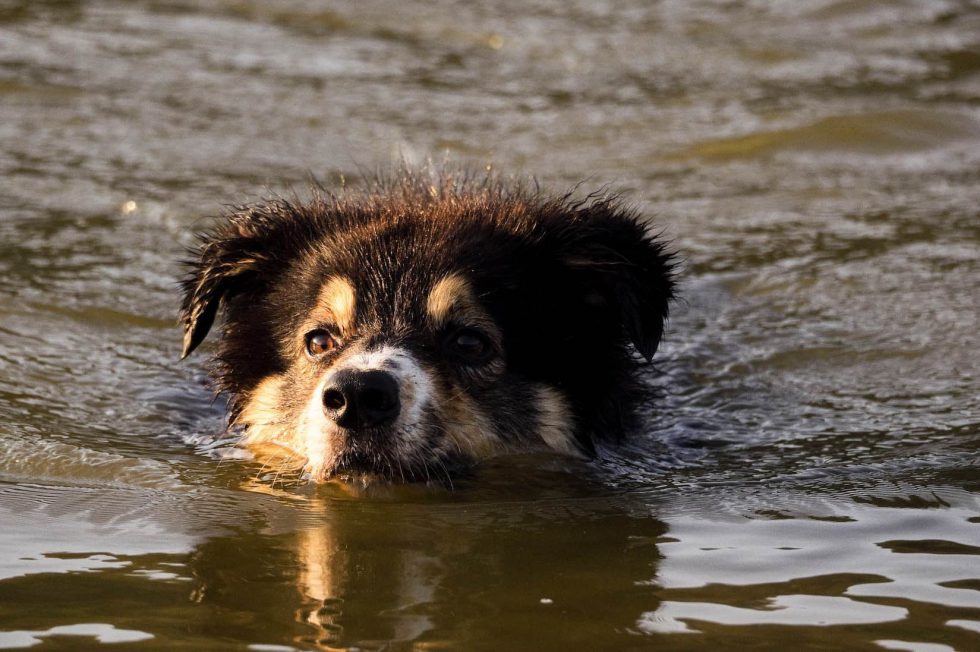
x=402, y=333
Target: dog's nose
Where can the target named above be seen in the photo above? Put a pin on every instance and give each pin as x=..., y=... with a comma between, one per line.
x=362, y=399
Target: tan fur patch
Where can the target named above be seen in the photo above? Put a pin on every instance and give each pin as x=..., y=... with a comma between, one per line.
x=555, y=426
x=337, y=298
x=268, y=436
x=470, y=430
x=451, y=293
x=262, y=413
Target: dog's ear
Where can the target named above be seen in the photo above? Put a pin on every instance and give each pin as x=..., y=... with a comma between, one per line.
x=228, y=259
x=622, y=268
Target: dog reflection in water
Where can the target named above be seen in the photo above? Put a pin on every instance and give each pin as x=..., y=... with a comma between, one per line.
x=408, y=330
x=400, y=575
x=329, y=580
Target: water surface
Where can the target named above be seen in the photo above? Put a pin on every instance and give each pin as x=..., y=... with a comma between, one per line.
x=810, y=477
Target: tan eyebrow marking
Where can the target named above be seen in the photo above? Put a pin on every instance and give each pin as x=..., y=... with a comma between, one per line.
x=452, y=292
x=337, y=297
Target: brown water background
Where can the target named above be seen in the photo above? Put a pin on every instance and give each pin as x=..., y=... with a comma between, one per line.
x=810, y=478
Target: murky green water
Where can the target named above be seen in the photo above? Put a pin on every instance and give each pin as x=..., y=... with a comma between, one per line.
x=810, y=479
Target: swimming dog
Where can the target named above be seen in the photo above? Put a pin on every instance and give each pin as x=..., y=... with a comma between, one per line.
x=426, y=322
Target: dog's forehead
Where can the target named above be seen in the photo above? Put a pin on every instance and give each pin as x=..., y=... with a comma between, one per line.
x=406, y=274
x=352, y=301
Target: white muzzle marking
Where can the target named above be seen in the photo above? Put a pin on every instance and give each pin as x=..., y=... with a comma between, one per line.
x=319, y=436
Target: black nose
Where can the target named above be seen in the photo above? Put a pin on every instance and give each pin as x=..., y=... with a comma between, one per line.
x=362, y=399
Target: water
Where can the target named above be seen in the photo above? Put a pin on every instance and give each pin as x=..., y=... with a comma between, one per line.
x=810, y=477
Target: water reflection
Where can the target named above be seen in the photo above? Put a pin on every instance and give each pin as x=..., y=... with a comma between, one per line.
x=368, y=575
x=840, y=570
x=566, y=566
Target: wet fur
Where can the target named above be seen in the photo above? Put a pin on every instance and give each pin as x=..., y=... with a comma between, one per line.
x=569, y=289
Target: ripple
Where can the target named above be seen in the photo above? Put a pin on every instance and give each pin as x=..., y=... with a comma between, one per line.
x=871, y=133
x=49, y=460
x=782, y=610
x=100, y=632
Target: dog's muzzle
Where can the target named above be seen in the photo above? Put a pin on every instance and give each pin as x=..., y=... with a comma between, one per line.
x=359, y=400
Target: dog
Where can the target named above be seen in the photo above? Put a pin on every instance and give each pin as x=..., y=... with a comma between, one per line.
x=407, y=330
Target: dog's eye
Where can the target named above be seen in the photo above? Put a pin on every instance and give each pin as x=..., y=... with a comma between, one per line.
x=470, y=344
x=319, y=342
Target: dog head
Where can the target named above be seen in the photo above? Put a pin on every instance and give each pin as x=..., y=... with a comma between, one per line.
x=403, y=331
